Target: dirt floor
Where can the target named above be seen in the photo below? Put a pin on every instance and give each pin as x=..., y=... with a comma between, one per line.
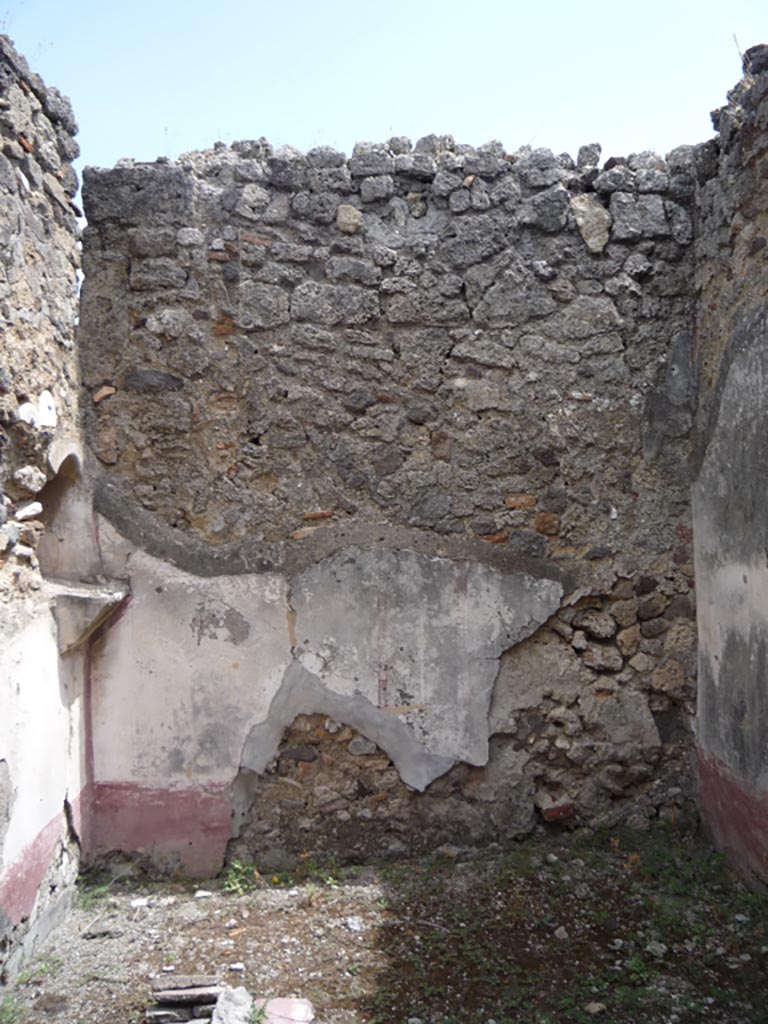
x=616, y=928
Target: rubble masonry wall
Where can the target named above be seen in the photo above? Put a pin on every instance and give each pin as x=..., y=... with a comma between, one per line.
x=395, y=443
x=41, y=708
x=381, y=538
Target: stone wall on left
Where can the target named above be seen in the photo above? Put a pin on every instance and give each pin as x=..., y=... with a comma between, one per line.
x=41, y=732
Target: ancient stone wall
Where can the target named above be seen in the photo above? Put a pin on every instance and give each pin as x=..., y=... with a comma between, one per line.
x=730, y=469
x=40, y=715
x=399, y=441
x=381, y=536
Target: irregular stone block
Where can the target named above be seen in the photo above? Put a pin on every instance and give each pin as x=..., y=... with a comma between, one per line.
x=603, y=659
x=369, y=159
x=471, y=241
x=253, y=201
x=615, y=179
x=547, y=211
x=250, y=170
x=139, y=195
x=599, y=625
x=325, y=156
x=421, y=166
x=352, y=269
x=539, y=169
x=144, y=242
x=425, y=306
x=349, y=219
x=488, y=162
x=188, y=995
x=170, y=982
x=330, y=179
x=334, y=304
x=156, y=274
x=651, y=179
x=593, y=221
x=586, y=317
x=514, y=299
x=287, y=168
x=635, y=217
x=589, y=155
x=233, y=1007
x=261, y=305
x=151, y=382
x=626, y=722
x=166, y=1015
x=380, y=187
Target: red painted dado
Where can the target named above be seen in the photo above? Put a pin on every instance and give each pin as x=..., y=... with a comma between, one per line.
x=21, y=879
x=188, y=828
x=737, y=817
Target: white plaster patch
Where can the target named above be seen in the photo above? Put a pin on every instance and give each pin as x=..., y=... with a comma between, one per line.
x=417, y=637
x=730, y=599
x=190, y=665
x=40, y=731
x=41, y=413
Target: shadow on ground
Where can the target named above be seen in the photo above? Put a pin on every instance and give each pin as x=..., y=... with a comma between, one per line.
x=620, y=928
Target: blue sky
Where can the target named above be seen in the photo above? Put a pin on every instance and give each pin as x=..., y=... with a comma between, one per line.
x=159, y=78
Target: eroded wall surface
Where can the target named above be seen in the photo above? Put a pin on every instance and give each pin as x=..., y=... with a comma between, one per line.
x=730, y=467
x=395, y=443
x=41, y=763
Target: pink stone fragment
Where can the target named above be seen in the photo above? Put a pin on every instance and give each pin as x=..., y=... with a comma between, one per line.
x=289, y=1011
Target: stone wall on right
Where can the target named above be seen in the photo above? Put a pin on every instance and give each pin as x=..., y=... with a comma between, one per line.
x=730, y=472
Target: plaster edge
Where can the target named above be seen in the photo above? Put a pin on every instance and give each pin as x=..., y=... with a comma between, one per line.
x=303, y=692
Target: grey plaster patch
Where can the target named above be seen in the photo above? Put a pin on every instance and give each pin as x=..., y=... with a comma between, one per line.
x=669, y=408
x=420, y=636
x=195, y=661
x=212, y=617
x=405, y=648
x=747, y=328
x=729, y=498
x=303, y=692
x=731, y=724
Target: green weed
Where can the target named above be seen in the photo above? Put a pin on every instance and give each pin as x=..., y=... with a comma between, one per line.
x=240, y=878
x=38, y=969
x=258, y=1014
x=89, y=895
x=10, y=1010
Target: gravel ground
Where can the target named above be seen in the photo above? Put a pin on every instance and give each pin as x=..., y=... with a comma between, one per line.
x=623, y=928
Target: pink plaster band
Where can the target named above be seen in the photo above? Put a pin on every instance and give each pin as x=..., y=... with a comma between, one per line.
x=738, y=818
x=185, y=827
x=22, y=878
